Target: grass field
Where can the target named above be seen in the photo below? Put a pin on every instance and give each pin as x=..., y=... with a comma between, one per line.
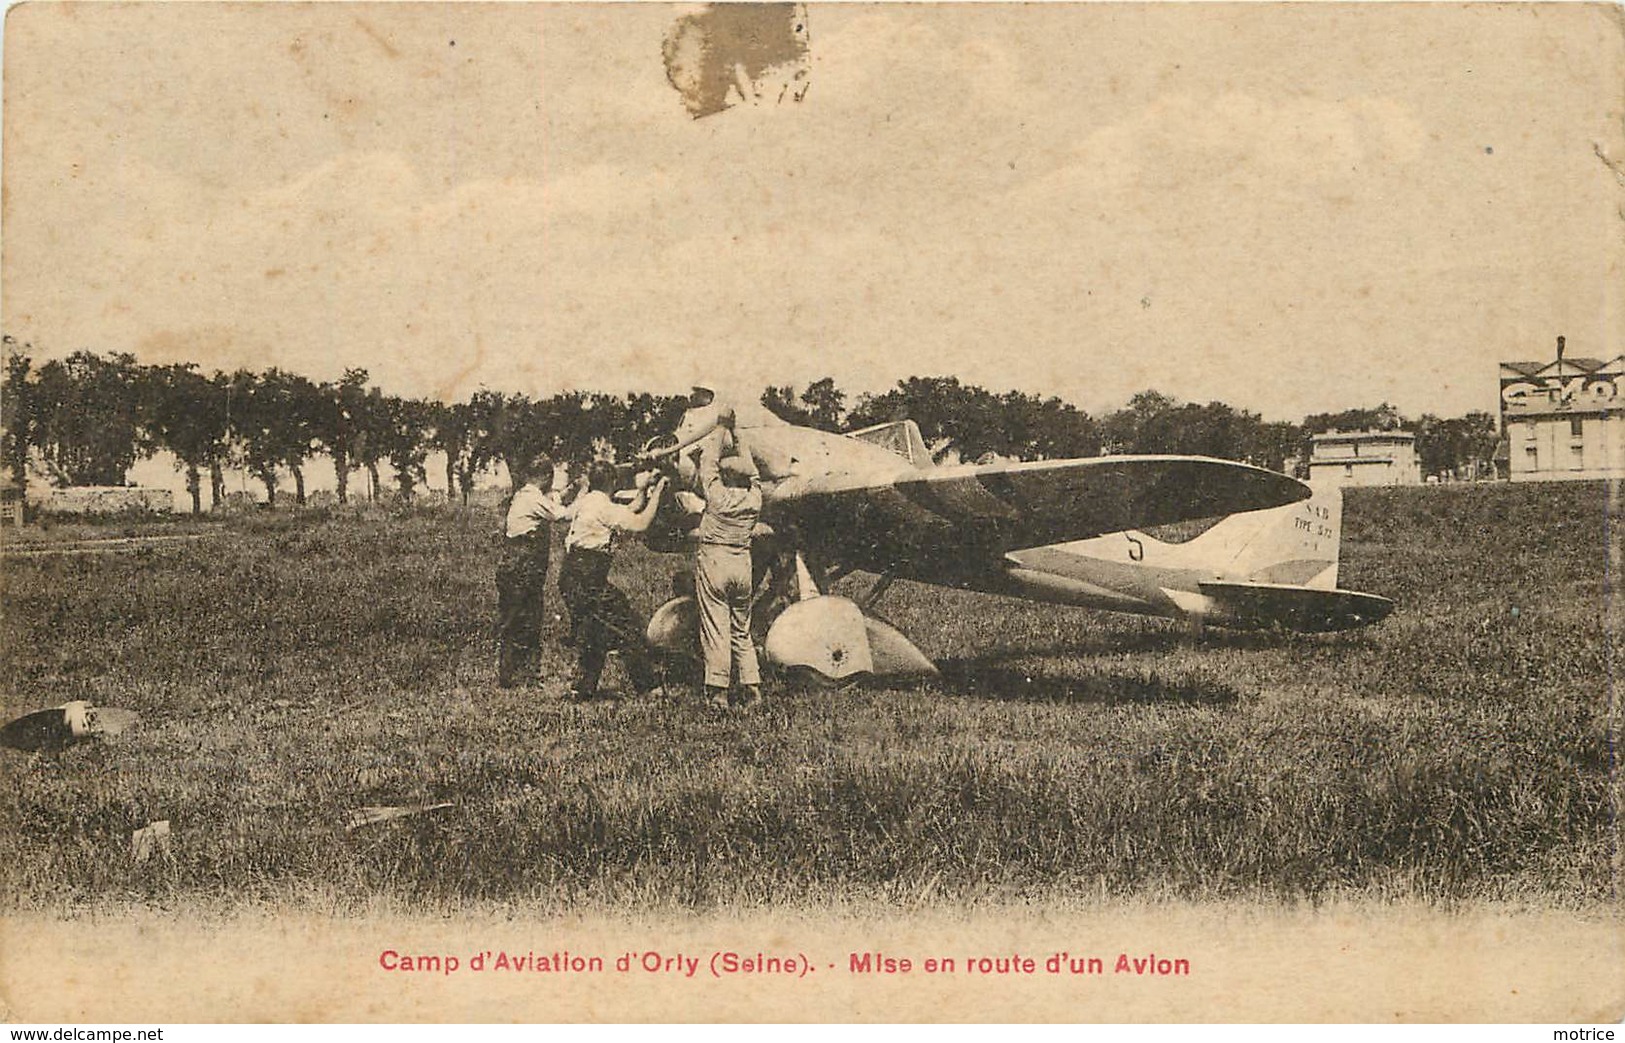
x=292, y=667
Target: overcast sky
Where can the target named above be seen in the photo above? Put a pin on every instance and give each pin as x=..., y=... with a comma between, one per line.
x=1290, y=209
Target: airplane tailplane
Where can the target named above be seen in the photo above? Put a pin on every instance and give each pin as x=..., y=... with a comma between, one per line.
x=1297, y=544
x=1305, y=609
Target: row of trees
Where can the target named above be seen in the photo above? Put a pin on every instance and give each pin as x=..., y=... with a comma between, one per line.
x=88, y=417
x=978, y=423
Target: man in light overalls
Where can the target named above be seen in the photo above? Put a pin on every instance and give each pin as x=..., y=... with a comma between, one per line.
x=722, y=571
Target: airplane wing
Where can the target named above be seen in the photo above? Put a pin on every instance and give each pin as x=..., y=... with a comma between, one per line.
x=937, y=523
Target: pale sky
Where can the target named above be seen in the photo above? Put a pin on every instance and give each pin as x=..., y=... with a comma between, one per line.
x=1290, y=209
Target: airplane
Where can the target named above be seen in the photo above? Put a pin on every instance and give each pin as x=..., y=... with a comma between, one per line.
x=878, y=501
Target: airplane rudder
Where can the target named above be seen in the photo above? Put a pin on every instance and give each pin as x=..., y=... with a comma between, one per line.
x=1312, y=534
x=1296, y=544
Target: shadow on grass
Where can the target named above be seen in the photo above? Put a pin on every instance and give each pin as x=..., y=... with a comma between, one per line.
x=980, y=678
x=1175, y=638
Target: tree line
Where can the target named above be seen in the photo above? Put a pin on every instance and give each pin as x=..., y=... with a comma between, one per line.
x=88, y=417
x=978, y=424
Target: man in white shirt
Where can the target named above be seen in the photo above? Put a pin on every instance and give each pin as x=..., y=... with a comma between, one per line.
x=601, y=617
x=522, y=570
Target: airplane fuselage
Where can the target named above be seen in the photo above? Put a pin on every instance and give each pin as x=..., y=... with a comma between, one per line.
x=1056, y=576
x=1063, y=531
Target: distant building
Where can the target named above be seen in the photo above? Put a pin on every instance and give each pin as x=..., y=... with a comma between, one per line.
x=1365, y=458
x=106, y=499
x=1564, y=419
x=11, y=501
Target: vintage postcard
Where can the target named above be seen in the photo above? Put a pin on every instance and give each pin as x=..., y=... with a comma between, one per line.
x=793, y=512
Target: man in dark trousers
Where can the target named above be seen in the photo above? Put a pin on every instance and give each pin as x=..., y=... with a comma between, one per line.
x=522, y=571
x=601, y=617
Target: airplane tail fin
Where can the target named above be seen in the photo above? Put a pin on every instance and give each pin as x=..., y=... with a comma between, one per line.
x=1297, y=544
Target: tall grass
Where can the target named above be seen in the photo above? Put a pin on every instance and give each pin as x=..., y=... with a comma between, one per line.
x=295, y=666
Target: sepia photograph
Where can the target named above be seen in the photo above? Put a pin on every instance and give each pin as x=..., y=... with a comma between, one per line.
x=778, y=512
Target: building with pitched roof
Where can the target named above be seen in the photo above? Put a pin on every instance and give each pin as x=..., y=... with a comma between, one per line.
x=1564, y=419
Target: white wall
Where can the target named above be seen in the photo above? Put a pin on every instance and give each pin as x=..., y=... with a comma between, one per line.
x=161, y=472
